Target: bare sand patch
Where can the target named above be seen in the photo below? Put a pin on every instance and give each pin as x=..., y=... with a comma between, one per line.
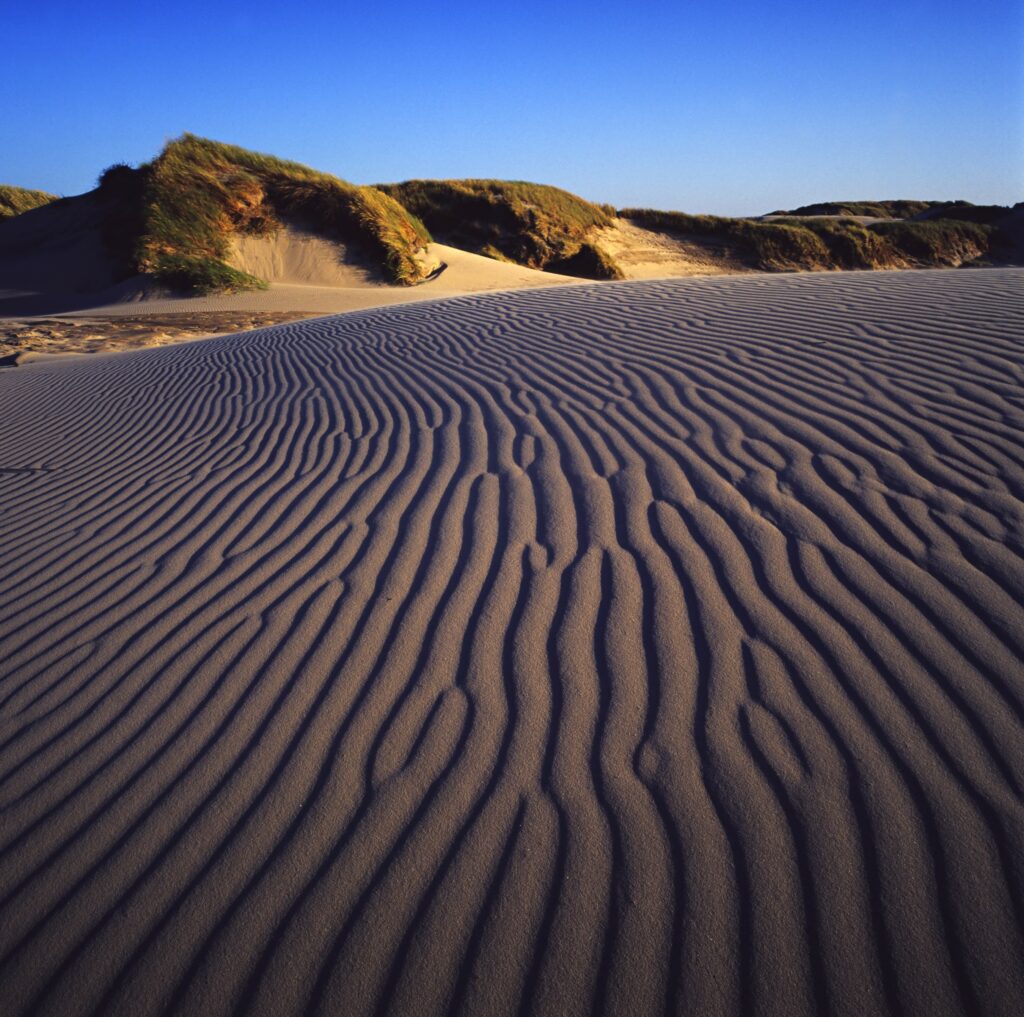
x=648, y=254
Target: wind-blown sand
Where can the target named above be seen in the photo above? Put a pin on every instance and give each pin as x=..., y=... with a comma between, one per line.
x=631, y=649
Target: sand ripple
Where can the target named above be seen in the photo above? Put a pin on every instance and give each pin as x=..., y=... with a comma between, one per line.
x=631, y=649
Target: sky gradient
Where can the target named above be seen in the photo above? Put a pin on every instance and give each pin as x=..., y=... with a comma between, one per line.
x=732, y=108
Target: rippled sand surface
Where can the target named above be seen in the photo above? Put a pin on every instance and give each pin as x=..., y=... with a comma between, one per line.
x=648, y=648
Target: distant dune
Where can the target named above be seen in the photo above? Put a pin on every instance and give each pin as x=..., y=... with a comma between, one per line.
x=206, y=218
x=888, y=209
x=646, y=648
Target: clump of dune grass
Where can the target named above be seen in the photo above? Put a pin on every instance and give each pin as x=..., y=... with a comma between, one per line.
x=939, y=241
x=536, y=225
x=848, y=244
x=198, y=193
x=589, y=262
x=205, y=275
x=490, y=251
x=15, y=200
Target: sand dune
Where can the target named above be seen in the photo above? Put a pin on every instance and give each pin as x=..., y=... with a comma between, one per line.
x=647, y=648
x=307, y=275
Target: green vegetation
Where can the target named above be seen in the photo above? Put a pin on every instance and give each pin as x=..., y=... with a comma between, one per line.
x=589, y=262
x=15, y=200
x=770, y=246
x=205, y=275
x=793, y=244
x=197, y=193
x=174, y=217
x=939, y=241
x=531, y=224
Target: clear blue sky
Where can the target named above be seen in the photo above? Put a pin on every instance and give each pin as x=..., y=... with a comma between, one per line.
x=735, y=107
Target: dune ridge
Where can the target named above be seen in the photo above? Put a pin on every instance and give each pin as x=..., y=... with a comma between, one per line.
x=636, y=649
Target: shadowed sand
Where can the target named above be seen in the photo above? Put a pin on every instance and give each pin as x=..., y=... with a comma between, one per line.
x=650, y=648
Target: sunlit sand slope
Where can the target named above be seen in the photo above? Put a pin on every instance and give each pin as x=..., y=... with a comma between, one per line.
x=638, y=649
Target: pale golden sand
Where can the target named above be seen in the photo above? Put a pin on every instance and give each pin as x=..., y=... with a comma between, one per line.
x=649, y=648
x=647, y=254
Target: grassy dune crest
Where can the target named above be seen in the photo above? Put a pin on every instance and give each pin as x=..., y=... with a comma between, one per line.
x=15, y=200
x=900, y=208
x=536, y=225
x=794, y=244
x=200, y=192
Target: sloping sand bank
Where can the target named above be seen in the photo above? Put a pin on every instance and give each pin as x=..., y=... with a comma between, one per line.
x=310, y=276
x=637, y=649
x=294, y=255
x=647, y=254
